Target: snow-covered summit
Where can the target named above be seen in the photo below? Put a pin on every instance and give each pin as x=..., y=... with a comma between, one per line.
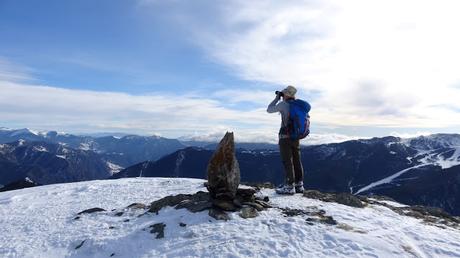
x=24, y=131
x=434, y=141
x=40, y=222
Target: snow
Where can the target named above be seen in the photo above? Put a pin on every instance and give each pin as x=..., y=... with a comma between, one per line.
x=388, y=179
x=24, y=131
x=61, y=156
x=114, y=168
x=179, y=160
x=85, y=146
x=27, y=179
x=448, y=162
x=40, y=149
x=425, y=156
x=38, y=222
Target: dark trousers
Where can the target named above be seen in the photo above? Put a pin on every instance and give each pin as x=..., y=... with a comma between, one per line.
x=290, y=155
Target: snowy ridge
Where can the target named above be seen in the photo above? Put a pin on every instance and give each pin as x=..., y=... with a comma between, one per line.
x=435, y=150
x=443, y=159
x=39, y=222
x=24, y=131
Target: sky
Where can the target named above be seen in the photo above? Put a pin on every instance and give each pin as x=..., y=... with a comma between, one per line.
x=196, y=69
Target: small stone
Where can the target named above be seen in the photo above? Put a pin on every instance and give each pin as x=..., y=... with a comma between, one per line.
x=345, y=227
x=113, y=254
x=314, y=194
x=218, y=214
x=237, y=203
x=349, y=200
x=194, y=206
x=182, y=224
x=126, y=220
x=248, y=212
x=328, y=220
x=118, y=214
x=224, y=205
x=156, y=206
x=159, y=229
x=80, y=245
x=92, y=210
x=264, y=204
x=111, y=227
x=255, y=205
x=137, y=206
x=245, y=191
x=294, y=212
x=77, y=218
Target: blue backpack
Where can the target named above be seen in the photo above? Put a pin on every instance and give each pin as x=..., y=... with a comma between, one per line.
x=299, y=119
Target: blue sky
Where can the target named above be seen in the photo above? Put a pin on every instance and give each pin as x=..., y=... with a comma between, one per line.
x=105, y=45
x=198, y=68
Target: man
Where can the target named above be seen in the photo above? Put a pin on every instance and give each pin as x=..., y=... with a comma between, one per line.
x=289, y=148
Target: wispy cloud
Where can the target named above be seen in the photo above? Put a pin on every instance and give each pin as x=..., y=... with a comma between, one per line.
x=173, y=115
x=14, y=72
x=374, y=63
x=198, y=116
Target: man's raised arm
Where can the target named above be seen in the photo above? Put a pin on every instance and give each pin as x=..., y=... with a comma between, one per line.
x=272, y=107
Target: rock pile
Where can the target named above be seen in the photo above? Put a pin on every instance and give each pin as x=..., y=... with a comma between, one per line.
x=245, y=202
x=224, y=195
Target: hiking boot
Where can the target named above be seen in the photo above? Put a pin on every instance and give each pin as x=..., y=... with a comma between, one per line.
x=285, y=189
x=299, y=187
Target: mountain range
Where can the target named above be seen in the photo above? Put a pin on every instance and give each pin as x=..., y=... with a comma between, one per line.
x=421, y=170
x=122, y=151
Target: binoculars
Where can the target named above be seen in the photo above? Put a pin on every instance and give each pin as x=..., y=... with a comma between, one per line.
x=279, y=93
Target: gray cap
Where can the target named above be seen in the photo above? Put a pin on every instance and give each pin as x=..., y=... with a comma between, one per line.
x=289, y=91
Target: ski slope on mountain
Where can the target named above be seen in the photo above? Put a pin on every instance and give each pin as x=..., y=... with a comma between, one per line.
x=39, y=222
x=431, y=150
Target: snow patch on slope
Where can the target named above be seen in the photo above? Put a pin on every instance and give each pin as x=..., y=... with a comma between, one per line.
x=389, y=179
x=114, y=168
x=40, y=149
x=85, y=146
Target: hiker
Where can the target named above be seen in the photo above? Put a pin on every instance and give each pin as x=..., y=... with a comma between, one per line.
x=289, y=136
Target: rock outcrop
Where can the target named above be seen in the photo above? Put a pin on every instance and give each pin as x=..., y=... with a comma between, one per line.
x=223, y=170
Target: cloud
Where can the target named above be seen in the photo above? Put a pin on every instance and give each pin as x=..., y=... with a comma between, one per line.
x=14, y=72
x=45, y=107
x=374, y=63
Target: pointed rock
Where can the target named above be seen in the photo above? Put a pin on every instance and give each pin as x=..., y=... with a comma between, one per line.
x=223, y=170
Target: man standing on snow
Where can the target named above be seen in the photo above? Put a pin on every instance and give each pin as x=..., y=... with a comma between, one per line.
x=289, y=147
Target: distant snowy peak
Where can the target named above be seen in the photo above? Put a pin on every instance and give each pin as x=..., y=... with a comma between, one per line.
x=434, y=141
x=23, y=131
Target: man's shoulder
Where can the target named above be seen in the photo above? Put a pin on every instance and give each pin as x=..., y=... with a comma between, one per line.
x=283, y=105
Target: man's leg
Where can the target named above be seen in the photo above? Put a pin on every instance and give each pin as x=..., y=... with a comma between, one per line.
x=286, y=157
x=297, y=163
